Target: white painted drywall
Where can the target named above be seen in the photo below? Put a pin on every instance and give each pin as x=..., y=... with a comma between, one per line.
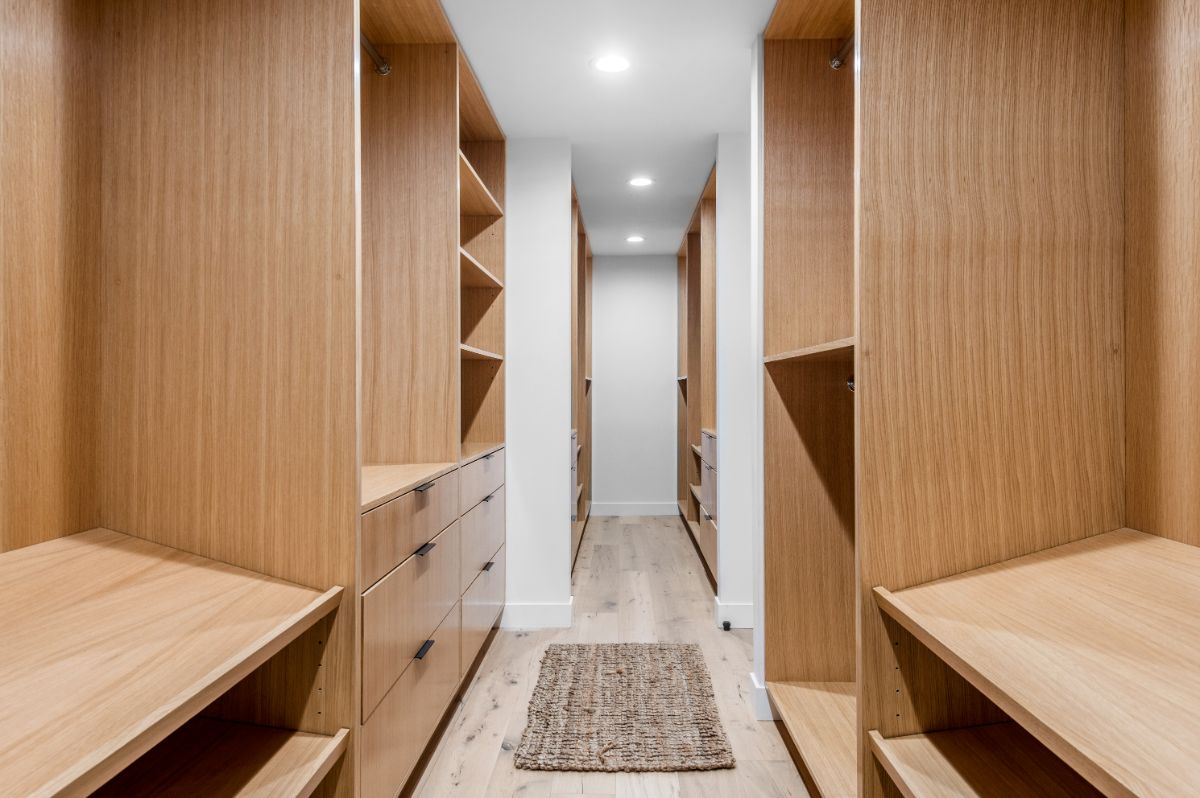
x=537, y=290
x=634, y=352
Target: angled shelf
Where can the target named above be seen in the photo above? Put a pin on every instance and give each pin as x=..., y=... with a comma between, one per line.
x=820, y=717
x=472, y=451
x=475, y=353
x=473, y=274
x=473, y=196
x=994, y=761
x=384, y=482
x=841, y=349
x=113, y=642
x=219, y=758
x=1088, y=645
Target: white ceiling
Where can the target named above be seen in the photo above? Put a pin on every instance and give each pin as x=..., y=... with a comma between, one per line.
x=689, y=80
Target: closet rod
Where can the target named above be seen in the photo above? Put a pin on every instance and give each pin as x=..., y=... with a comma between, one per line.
x=382, y=67
x=843, y=53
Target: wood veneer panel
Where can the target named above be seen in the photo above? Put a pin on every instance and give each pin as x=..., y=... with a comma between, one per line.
x=410, y=257
x=1162, y=282
x=708, y=312
x=49, y=283
x=695, y=351
x=476, y=120
x=990, y=313
x=406, y=22
x=681, y=476
x=808, y=196
x=820, y=719
x=482, y=402
x=811, y=19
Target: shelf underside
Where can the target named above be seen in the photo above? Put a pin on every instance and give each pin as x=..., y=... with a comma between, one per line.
x=1090, y=646
x=820, y=717
x=384, y=482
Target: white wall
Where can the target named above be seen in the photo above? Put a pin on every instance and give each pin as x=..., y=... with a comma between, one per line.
x=537, y=289
x=634, y=353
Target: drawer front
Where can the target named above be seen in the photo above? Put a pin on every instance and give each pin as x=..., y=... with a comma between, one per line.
x=481, y=605
x=394, y=737
x=401, y=612
x=393, y=531
x=708, y=449
x=708, y=545
x=708, y=489
x=482, y=535
x=480, y=479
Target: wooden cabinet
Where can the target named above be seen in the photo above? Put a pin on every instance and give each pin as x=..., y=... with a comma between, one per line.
x=482, y=535
x=481, y=478
x=392, y=532
x=481, y=605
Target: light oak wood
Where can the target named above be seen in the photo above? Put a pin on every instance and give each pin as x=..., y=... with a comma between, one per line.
x=473, y=274
x=474, y=353
x=403, y=609
x=1091, y=646
x=382, y=483
x=480, y=478
x=811, y=19
x=482, y=603
x=994, y=761
x=841, y=349
x=219, y=759
x=405, y=22
x=472, y=451
x=473, y=196
x=708, y=310
x=158, y=633
x=820, y=719
x=393, y=531
x=482, y=535
x=708, y=447
x=476, y=119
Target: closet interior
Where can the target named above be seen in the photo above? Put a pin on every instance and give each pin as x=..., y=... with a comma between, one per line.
x=252, y=467
x=581, y=378
x=981, y=528
x=697, y=396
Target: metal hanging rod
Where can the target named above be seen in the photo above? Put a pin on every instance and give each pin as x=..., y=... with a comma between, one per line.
x=382, y=67
x=843, y=54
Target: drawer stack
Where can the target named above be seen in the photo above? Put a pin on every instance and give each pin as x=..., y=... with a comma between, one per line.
x=433, y=571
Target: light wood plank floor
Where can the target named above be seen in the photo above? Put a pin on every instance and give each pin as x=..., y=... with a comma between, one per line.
x=637, y=580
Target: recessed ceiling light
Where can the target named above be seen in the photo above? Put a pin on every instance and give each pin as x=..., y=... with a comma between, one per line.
x=636, y=239
x=611, y=63
x=641, y=182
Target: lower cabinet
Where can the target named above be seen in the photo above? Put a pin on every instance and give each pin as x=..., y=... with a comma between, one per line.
x=481, y=605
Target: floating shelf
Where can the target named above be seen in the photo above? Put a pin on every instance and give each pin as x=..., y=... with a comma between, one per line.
x=112, y=642
x=472, y=451
x=473, y=196
x=473, y=274
x=994, y=761
x=210, y=757
x=1089, y=646
x=382, y=483
x=841, y=349
x=820, y=717
x=474, y=353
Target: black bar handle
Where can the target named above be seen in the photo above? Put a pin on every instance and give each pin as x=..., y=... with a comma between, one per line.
x=489, y=498
x=428, y=644
x=488, y=566
x=425, y=487
x=428, y=547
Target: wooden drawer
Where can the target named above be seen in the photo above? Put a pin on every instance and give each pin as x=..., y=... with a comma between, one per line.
x=394, y=737
x=400, y=612
x=708, y=489
x=708, y=544
x=480, y=479
x=482, y=535
x=708, y=448
x=393, y=531
x=481, y=605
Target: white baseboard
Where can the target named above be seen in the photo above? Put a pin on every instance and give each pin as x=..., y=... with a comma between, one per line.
x=635, y=508
x=759, y=700
x=539, y=616
x=740, y=614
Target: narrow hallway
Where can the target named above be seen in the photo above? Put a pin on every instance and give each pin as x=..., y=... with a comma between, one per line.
x=638, y=580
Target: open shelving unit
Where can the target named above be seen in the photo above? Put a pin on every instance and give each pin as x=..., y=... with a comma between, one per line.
x=581, y=381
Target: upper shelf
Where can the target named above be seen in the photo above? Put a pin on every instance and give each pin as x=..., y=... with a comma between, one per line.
x=841, y=349
x=1092, y=646
x=473, y=274
x=382, y=483
x=473, y=196
x=112, y=642
x=475, y=353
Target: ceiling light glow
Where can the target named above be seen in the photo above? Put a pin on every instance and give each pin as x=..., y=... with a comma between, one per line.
x=635, y=239
x=611, y=63
x=641, y=182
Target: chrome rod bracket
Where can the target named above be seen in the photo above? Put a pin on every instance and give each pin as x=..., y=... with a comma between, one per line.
x=382, y=67
x=843, y=54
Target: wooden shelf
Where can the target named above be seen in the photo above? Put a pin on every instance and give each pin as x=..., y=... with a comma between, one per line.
x=474, y=353
x=220, y=759
x=995, y=761
x=681, y=378
x=841, y=349
x=695, y=489
x=473, y=196
x=473, y=274
x=578, y=449
x=112, y=642
x=683, y=507
x=820, y=717
x=696, y=450
x=712, y=433
x=1089, y=646
x=382, y=483
x=472, y=451
x=578, y=492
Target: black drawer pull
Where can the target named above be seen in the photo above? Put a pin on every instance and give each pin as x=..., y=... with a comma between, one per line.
x=428, y=547
x=489, y=456
x=489, y=498
x=488, y=566
x=425, y=487
x=428, y=644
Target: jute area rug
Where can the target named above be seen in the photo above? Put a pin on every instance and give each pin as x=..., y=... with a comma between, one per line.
x=632, y=707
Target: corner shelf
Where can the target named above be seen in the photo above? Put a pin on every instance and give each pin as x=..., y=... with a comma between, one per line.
x=473, y=274
x=994, y=761
x=473, y=196
x=472, y=451
x=474, y=353
x=220, y=758
x=113, y=642
x=384, y=482
x=1087, y=645
x=821, y=719
x=841, y=349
